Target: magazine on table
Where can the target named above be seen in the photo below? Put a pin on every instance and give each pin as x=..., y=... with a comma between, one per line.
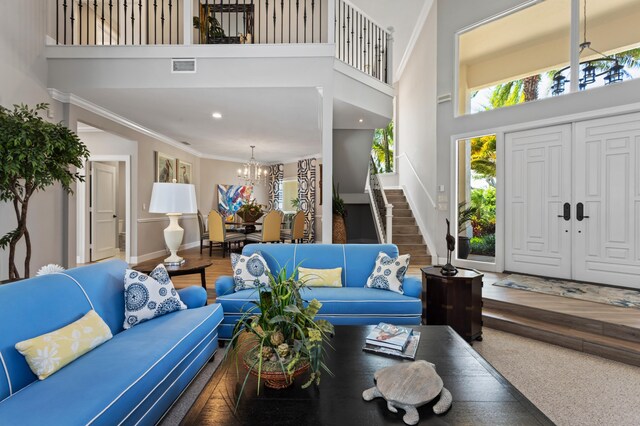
x=389, y=336
x=408, y=353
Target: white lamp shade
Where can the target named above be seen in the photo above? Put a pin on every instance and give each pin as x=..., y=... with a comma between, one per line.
x=173, y=198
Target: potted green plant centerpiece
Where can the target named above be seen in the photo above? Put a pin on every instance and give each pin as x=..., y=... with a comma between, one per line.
x=465, y=215
x=279, y=338
x=250, y=211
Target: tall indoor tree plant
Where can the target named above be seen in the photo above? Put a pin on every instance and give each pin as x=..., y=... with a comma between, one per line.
x=34, y=154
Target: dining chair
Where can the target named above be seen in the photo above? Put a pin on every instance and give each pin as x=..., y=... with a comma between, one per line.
x=204, y=235
x=296, y=233
x=270, y=232
x=218, y=233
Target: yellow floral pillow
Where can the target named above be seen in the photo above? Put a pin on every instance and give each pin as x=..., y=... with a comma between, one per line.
x=49, y=352
x=320, y=277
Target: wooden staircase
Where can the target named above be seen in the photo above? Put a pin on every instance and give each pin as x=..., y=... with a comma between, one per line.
x=406, y=234
x=580, y=332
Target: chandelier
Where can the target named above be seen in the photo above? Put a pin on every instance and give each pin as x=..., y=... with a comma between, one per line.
x=589, y=68
x=253, y=173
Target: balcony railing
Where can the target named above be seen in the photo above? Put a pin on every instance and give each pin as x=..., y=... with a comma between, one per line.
x=359, y=41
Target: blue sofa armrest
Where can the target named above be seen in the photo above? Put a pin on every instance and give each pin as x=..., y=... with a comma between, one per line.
x=412, y=286
x=224, y=285
x=193, y=296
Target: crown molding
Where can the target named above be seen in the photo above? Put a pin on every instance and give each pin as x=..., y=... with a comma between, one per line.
x=70, y=98
x=422, y=18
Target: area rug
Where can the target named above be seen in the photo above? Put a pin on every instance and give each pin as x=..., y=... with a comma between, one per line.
x=576, y=290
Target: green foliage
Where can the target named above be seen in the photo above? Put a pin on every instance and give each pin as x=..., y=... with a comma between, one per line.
x=465, y=215
x=484, y=218
x=251, y=207
x=484, y=245
x=382, y=149
x=295, y=203
x=483, y=157
x=34, y=154
x=338, y=202
x=279, y=333
x=213, y=27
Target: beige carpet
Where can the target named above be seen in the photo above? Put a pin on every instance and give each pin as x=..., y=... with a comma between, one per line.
x=571, y=388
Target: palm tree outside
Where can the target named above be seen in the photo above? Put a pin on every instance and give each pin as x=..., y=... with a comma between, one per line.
x=383, y=148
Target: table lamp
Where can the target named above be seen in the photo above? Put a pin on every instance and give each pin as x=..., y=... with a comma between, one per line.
x=173, y=199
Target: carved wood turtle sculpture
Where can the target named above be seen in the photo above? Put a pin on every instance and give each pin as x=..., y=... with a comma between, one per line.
x=408, y=386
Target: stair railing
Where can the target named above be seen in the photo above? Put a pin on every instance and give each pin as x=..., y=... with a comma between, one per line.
x=382, y=209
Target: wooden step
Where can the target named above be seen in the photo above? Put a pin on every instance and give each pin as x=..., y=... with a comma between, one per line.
x=420, y=260
x=393, y=199
x=403, y=221
x=393, y=192
x=402, y=213
x=405, y=229
x=399, y=205
x=575, y=322
x=407, y=238
x=413, y=249
x=562, y=335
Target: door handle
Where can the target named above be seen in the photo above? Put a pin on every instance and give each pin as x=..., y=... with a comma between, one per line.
x=580, y=212
x=566, y=212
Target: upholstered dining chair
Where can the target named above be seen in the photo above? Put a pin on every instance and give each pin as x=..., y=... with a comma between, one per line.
x=218, y=233
x=296, y=233
x=204, y=235
x=270, y=232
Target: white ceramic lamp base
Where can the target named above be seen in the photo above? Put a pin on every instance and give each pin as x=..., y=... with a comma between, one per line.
x=173, y=235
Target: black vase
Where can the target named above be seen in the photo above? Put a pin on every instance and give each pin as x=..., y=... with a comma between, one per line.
x=464, y=247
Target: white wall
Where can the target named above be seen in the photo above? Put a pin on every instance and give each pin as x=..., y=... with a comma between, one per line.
x=351, y=153
x=416, y=157
x=23, y=76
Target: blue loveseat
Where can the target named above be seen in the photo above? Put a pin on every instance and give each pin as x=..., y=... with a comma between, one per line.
x=134, y=377
x=352, y=304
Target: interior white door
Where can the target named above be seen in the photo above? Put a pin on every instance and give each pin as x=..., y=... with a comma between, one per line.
x=103, y=211
x=538, y=184
x=607, y=184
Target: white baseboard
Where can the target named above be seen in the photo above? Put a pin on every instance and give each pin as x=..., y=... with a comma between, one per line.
x=160, y=253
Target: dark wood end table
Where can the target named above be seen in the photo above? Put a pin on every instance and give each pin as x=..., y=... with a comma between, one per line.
x=454, y=300
x=191, y=266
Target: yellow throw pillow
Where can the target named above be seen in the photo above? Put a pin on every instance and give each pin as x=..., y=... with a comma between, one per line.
x=49, y=352
x=320, y=277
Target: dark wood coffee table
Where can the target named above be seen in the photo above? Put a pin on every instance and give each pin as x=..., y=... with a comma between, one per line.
x=481, y=396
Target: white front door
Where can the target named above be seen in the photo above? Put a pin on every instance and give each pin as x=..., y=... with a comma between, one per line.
x=103, y=211
x=607, y=186
x=537, y=187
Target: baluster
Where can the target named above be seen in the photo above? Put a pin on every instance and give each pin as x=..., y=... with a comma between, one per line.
x=170, y=20
x=253, y=29
x=102, y=21
x=155, y=21
x=147, y=12
x=110, y=22
x=162, y=22
x=237, y=32
x=348, y=35
x=73, y=24
x=133, y=22
x=178, y=24
x=57, y=21
x=266, y=22
x=380, y=53
x=259, y=15
x=118, y=19
x=125, y=21
x=305, y=21
x=320, y=23
x=139, y=21
x=274, y=21
x=64, y=20
x=313, y=7
x=290, y=20
x=364, y=45
x=80, y=21
x=354, y=20
x=228, y=22
x=88, y=22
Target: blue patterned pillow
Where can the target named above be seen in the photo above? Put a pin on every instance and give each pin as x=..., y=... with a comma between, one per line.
x=388, y=272
x=249, y=271
x=149, y=296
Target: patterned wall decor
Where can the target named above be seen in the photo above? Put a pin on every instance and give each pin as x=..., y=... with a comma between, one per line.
x=232, y=197
x=307, y=195
x=274, y=181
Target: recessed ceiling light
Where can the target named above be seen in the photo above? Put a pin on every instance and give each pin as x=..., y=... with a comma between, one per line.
x=360, y=121
x=216, y=115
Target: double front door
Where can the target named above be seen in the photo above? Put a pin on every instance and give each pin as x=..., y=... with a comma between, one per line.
x=572, y=198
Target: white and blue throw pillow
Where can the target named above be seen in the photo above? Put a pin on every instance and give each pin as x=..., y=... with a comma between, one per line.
x=249, y=271
x=388, y=272
x=149, y=296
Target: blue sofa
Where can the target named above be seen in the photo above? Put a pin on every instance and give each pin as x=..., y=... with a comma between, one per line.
x=134, y=377
x=352, y=304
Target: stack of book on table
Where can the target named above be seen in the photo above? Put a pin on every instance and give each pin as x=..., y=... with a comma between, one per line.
x=388, y=339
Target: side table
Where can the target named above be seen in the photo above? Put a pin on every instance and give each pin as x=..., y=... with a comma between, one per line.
x=453, y=300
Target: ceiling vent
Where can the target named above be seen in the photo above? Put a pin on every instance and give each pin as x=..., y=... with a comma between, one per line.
x=183, y=65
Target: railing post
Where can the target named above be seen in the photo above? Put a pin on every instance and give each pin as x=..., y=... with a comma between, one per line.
x=389, y=226
x=388, y=64
x=187, y=22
